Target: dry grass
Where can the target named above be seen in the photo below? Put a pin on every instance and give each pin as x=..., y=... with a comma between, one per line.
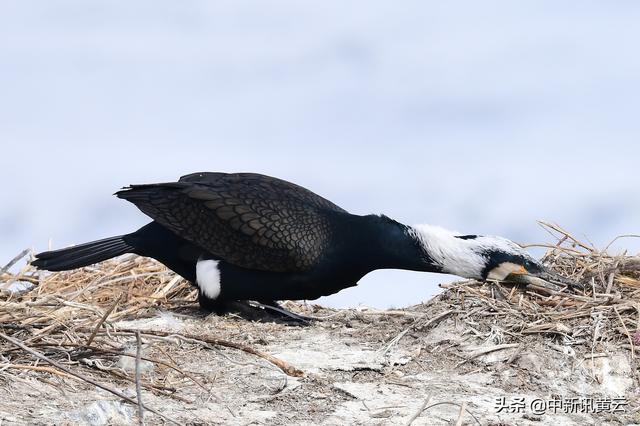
x=65, y=324
x=66, y=321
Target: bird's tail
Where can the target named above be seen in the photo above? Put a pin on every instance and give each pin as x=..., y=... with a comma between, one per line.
x=83, y=254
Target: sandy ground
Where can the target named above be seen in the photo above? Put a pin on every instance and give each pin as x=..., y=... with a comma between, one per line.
x=424, y=366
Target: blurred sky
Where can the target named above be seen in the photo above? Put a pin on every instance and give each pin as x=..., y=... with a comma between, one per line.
x=478, y=116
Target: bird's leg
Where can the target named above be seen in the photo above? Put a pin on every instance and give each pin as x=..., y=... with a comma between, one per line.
x=217, y=306
x=222, y=306
x=250, y=310
x=240, y=308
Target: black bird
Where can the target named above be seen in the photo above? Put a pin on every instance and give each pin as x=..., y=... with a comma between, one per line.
x=246, y=236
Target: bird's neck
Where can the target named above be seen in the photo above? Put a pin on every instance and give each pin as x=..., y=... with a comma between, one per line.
x=390, y=245
x=453, y=253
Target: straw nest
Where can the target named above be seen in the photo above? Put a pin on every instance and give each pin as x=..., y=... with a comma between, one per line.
x=66, y=324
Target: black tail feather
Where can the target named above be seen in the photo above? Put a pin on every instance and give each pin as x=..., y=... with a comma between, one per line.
x=82, y=255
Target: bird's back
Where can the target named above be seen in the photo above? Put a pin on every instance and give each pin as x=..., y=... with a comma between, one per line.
x=250, y=220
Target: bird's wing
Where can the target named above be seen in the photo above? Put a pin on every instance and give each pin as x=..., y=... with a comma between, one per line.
x=271, y=187
x=250, y=220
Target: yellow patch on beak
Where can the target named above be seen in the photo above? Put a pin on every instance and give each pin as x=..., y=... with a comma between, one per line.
x=505, y=269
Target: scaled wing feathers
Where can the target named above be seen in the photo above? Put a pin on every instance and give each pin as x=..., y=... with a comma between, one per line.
x=250, y=220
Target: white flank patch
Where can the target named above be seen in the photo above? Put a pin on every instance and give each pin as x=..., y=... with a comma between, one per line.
x=462, y=257
x=208, y=277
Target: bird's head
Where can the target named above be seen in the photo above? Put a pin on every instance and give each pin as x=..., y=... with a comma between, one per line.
x=482, y=257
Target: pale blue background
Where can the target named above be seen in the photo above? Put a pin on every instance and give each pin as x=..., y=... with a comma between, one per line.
x=477, y=116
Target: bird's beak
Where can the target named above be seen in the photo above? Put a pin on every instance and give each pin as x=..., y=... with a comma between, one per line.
x=544, y=278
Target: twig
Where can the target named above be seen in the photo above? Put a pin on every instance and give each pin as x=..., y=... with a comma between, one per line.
x=102, y=320
x=515, y=354
x=420, y=410
x=425, y=406
x=283, y=365
x=15, y=260
x=138, y=387
x=463, y=408
x=612, y=275
x=559, y=293
x=174, y=367
x=156, y=389
x=573, y=252
x=624, y=326
x=457, y=405
x=617, y=238
x=415, y=325
x=561, y=231
x=115, y=392
x=34, y=368
x=98, y=350
x=484, y=351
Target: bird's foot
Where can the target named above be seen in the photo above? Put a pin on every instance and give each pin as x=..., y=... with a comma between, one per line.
x=254, y=311
x=275, y=307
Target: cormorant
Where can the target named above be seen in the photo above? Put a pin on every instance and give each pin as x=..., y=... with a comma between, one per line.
x=246, y=236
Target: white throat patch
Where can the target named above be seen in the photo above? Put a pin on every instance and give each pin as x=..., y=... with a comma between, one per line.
x=505, y=269
x=208, y=277
x=459, y=256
